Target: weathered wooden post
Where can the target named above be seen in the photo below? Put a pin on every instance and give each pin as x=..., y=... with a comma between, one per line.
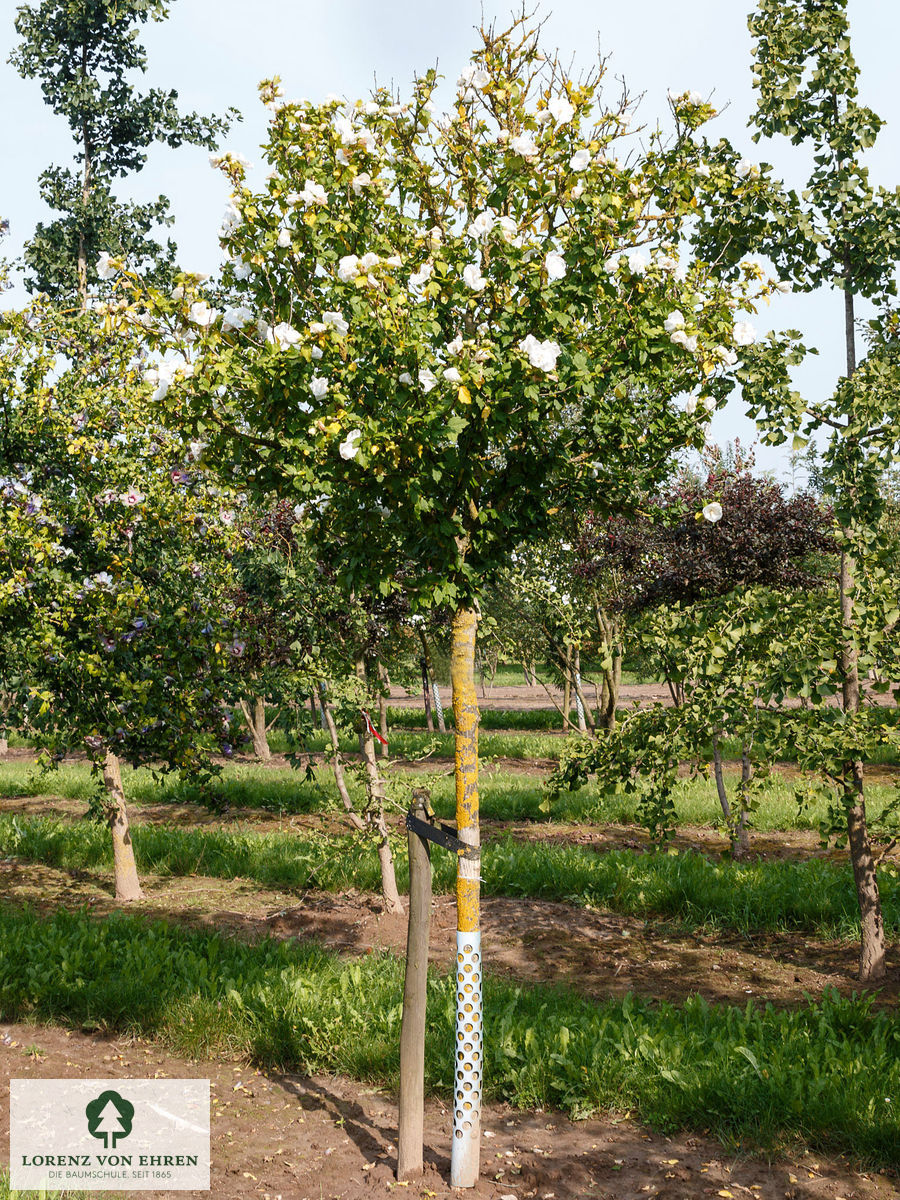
x=411, y=1134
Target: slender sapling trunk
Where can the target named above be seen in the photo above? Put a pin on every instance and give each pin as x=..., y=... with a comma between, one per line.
x=375, y=787
x=872, y=946
x=337, y=767
x=469, y=1064
x=567, y=690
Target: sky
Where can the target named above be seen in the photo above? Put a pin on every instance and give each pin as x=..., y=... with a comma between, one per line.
x=214, y=52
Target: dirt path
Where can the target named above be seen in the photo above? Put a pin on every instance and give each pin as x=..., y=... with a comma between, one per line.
x=287, y=1137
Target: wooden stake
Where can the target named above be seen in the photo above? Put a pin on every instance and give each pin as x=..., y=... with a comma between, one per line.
x=410, y=1161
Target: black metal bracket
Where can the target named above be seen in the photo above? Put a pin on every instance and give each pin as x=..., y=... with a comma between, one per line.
x=442, y=835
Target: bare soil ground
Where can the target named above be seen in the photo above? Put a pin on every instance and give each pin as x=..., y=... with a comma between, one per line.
x=286, y=1137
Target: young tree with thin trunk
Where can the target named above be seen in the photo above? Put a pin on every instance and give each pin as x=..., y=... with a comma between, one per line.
x=304, y=638
x=842, y=232
x=431, y=328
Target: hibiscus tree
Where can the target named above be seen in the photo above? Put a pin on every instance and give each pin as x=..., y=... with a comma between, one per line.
x=112, y=625
x=429, y=327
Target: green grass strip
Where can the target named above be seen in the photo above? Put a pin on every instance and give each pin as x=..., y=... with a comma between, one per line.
x=814, y=897
x=828, y=1072
x=7, y=1194
x=525, y=719
x=505, y=795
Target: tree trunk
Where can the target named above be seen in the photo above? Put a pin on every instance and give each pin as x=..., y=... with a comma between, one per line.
x=737, y=831
x=615, y=686
x=720, y=780
x=128, y=885
x=256, y=723
x=411, y=1132
x=382, y=711
x=426, y=692
x=582, y=698
x=337, y=767
x=580, y=706
x=612, y=675
x=567, y=690
x=375, y=786
x=431, y=684
x=4, y=712
x=468, y=1084
x=741, y=847
x=872, y=948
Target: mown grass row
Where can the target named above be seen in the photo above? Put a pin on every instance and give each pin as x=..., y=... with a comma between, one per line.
x=761, y=897
x=505, y=796
x=828, y=1072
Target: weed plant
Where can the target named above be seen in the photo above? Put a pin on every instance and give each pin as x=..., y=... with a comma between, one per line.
x=827, y=1072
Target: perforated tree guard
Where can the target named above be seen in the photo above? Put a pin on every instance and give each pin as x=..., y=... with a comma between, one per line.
x=469, y=1062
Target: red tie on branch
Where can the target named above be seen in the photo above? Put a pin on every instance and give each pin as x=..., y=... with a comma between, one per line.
x=371, y=728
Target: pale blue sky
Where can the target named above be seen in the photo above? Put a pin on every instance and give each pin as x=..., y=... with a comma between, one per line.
x=215, y=51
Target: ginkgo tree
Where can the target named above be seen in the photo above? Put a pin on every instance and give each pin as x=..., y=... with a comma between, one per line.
x=429, y=332
x=843, y=232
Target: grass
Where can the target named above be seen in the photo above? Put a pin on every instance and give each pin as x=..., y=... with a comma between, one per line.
x=413, y=744
x=533, y=719
x=511, y=675
x=696, y=803
x=827, y=1072
x=506, y=733
x=243, y=785
x=505, y=795
x=815, y=897
x=6, y=1193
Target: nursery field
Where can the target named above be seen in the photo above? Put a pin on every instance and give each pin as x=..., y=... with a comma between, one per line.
x=668, y=1023
x=412, y=721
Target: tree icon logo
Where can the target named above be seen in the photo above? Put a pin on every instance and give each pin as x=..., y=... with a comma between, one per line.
x=109, y=1117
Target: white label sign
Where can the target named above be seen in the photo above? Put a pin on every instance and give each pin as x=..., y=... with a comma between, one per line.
x=109, y=1134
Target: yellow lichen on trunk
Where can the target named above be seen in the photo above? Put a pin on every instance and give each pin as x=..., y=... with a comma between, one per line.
x=465, y=715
